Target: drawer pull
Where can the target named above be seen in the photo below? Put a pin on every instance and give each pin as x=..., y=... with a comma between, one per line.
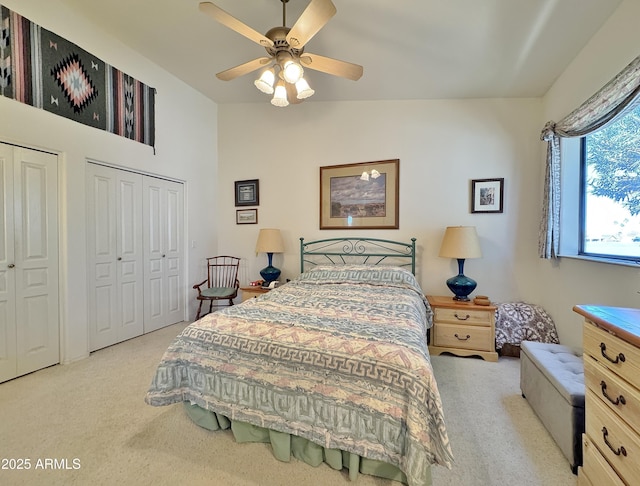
x=603, y=351
x=618, y=400
x=462, y=339
x=461, y=318
x=617, y=452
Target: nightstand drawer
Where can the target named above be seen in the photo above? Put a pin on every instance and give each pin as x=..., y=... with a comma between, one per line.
x=465, y=337
x=468, y=317
x=252, y=292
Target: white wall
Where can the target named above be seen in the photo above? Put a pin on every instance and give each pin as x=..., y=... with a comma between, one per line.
x=441, y=145
x=186, y=131
x=567, y=282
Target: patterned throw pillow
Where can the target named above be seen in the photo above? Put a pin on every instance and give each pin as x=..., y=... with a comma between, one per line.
x=520, y=321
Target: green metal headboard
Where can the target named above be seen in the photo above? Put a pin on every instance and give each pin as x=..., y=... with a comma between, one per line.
x=368, y=251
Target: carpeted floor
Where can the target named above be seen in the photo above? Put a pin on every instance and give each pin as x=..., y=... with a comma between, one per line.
x=87, y=424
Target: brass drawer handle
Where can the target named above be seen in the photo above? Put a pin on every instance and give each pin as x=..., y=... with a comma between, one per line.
x=618, y=400
x=461, y=318
x=617, y=452
x=603, y=351
x=462, y=339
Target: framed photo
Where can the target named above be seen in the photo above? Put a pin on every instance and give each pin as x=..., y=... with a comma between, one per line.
x=360, y=196
x=247, y=193
x=487, y=195
x=246, y=216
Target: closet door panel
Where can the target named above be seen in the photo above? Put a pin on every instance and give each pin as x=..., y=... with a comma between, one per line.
x=129, y=250
x=102, y=257
x=36, y=254
x=163, y=219
x=7, y=273
x=174, y=251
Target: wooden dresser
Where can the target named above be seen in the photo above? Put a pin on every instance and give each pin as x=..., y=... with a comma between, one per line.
x=611, y=443
x=462, y=328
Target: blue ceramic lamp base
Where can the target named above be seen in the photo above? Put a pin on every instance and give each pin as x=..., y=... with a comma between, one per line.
x=461, y=285
x=270, y=273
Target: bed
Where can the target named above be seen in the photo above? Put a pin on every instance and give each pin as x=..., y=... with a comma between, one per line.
x=331, y=367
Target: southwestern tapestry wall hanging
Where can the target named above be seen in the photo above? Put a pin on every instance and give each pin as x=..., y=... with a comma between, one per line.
x=41, y=69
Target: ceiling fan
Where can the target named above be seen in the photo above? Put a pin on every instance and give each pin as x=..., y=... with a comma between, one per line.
x=283, y=68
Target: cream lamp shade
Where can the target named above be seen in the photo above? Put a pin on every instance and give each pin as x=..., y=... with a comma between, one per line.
x=270, y=242
x=460, y=242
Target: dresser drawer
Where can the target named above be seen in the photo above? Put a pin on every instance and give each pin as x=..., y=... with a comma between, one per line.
x=617, y=442
x=464, y=337
x=468, y=317
x=596, y=469
x=615, y=393
x=612, y=352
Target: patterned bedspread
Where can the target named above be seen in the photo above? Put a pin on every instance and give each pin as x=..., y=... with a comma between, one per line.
x=338, y=356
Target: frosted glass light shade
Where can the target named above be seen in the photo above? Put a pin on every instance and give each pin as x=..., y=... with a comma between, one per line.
x=292, y=72
x=265, y=82
x=280, y=96
x=303, y=89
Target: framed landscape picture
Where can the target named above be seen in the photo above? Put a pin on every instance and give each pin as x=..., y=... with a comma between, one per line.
x=363, y=195
x=487, y=195
x=246, y=216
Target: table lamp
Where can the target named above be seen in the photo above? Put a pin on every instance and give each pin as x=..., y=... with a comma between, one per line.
x=269, y=242
x=460, y=242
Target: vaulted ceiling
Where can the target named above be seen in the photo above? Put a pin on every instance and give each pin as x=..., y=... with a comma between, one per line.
x=410, y=49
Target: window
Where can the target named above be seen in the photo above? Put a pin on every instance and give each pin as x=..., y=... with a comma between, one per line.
x=610, y=190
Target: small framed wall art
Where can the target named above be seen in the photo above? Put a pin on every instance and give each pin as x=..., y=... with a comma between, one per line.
x=248, y=193
x=246, y=216
x=487, y=195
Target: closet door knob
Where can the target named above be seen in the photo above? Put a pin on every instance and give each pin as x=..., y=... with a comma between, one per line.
x=11, y=265
x=119, y=258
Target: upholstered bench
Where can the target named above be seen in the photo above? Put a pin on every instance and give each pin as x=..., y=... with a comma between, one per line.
x=552, y=381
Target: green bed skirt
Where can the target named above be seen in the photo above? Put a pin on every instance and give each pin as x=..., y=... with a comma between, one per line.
x=285, y=445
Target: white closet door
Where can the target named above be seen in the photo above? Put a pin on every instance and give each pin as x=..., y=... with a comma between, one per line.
x=130, y=265
x=115, y=255
x=164, y=254
x=29, y=321
x=8, y=350
x=35, y=178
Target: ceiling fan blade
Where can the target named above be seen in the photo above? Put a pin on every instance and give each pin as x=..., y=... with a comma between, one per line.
x=243, y=69
x=332, y=66
x=314, y=17
x=230, y=21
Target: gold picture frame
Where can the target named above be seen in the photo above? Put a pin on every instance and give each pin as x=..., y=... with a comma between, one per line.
x=364, y=195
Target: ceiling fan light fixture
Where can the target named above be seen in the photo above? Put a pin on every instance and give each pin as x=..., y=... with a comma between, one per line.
x=280, y=96
x=303, y=89
x=292, y=72
x=265, y=82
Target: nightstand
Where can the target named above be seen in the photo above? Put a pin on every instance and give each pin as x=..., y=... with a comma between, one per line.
x=462, y=328
x=252, y=292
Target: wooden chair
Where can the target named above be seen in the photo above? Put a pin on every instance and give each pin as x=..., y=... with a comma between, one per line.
x=221, y=283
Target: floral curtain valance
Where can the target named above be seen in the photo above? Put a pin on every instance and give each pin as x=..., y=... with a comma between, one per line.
x=614, y=99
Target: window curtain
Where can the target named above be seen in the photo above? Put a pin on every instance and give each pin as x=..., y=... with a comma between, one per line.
x=614, y=99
